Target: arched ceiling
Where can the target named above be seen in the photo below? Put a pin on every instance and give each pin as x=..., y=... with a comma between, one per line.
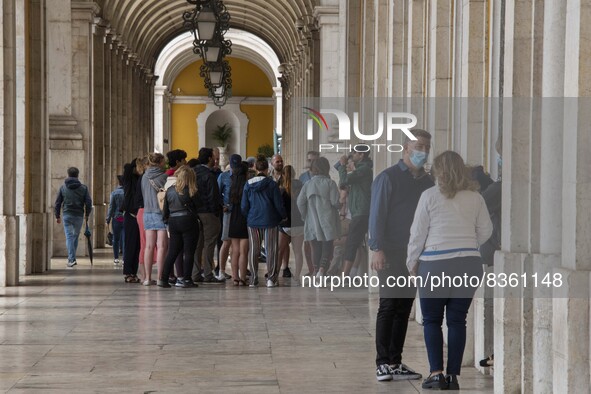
x=146, y=26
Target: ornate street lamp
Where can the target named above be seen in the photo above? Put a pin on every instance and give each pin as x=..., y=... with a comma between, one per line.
x=208, y=22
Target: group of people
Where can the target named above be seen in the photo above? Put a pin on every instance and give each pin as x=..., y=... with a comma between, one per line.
x=419, y=223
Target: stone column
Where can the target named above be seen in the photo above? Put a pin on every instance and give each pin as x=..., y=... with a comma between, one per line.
x=513, y=307
x=9, y=222
x=439, y=72
x=107, y=110
x=39, y=215
x=83, y=14
x=66, y=147
x=570, y=323
x=160, y=109
x=99, y=131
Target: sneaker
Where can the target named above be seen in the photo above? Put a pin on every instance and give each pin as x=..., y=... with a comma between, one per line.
x=179, y=283
x=188, y=283
x=227, y=276
x=384, y=373
x=212, y=279
x=402, y=372
x=147, y=283
x=320, y=273
x=254, y=284
x=172, y=280
x=270, y=283
x=286, y=273
x=71, y=263
x=436, y=382
x=116, y=262
x=161, y=283
x=452, y=382
x=221, y=277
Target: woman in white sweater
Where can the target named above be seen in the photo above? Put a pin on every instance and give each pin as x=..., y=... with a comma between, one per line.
x=451, y=222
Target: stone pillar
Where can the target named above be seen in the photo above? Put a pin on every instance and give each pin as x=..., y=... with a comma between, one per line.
x=99, y=191
x=513, y=307
x=39, y=215
x=9, y=223
x=108, y=148
x=439, y=73
x=83, y=14
x=160, y=110
x=570, y=323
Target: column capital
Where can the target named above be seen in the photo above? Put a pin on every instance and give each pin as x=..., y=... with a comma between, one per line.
x=326, y=15
x=84, y=11
x=100, y=27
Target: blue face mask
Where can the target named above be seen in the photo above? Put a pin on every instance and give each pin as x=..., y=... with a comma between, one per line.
x=418, y=158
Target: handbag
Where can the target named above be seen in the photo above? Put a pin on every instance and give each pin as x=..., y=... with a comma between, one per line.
x=160, y=194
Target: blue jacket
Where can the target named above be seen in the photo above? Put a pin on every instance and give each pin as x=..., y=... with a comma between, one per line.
x=116, y=204
x=261, y=203
x=224, y=183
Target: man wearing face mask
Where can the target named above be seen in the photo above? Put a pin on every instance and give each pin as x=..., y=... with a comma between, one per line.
x=395, y=193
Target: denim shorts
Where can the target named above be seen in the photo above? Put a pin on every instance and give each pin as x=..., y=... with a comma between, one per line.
x=153, y=221
x=226, y=226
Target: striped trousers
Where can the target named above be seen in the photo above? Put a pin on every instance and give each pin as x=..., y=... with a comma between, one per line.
x=271, y=236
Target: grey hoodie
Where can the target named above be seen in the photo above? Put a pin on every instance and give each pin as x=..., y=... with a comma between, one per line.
x=157, y=175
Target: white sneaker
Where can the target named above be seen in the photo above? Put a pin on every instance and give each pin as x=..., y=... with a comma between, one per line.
x=320, y=273
x=116, y=262
x=146, y=283
x=71, y=263
x=270, y=283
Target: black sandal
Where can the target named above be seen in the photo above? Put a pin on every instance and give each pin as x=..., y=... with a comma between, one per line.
x=236, y=282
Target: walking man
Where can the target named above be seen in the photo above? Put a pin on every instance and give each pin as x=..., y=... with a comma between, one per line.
x=74, y=203
x=395, y=194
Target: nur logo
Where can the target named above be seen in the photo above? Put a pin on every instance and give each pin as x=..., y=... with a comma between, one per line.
x=316, y=117
x=389, y=119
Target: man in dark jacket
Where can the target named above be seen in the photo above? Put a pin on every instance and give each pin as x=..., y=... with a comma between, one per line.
x=73, y=198
x=263, y=207
x=395, y=195
x=209, y=217
x=358, y=177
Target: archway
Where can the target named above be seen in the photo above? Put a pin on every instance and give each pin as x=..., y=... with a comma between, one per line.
x=178, y=54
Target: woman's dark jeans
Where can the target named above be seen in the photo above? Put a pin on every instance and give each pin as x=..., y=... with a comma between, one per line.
x=454, y=301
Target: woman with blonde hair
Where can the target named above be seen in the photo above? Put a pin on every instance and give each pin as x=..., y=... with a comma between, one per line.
x=180, y=212
x=153, y=180
x=450, y=223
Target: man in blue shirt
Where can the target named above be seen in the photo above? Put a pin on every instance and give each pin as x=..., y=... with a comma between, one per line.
x=395, y=194
x=74, y=202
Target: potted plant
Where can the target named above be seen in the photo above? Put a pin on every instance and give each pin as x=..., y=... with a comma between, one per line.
x=222, y=134
x=266, y=150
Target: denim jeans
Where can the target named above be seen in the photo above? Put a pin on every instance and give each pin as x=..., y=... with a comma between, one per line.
x=72, y=226
x=454, y=301
x=118, y=238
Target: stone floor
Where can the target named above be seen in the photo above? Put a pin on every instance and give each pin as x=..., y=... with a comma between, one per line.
x=85, y=330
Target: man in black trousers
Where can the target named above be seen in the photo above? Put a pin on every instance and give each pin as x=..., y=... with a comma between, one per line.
x=395, y=194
